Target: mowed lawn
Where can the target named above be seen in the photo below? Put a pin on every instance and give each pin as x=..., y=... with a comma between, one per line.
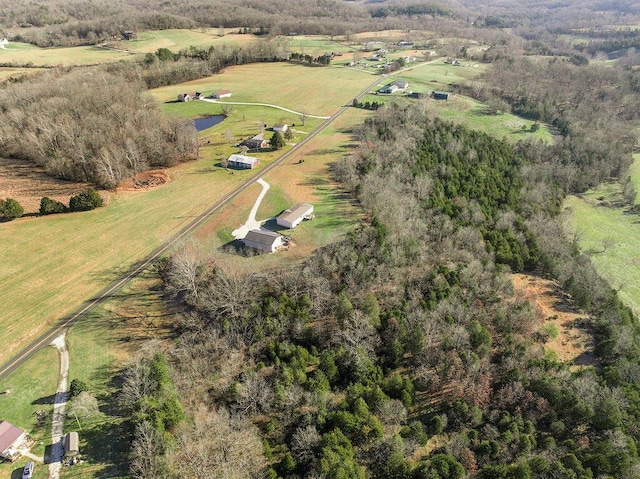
x=318, y=90
x=304, y=177
x=595, y=224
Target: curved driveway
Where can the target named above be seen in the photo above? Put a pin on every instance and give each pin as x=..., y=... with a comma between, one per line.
x=212, y=100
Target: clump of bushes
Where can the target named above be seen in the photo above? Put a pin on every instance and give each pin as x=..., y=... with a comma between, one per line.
x=85, y=201
x=10, y=209
x=49, y=206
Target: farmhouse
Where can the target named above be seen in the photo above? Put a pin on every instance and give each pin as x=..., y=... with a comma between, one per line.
x=11, y=439
x=263, y=240
x=440, y=95
x=256, y=142
x=241, y=161
x=293, y=217
x=192, y=95
x=70, y=444
x=401, y=84
x=221, y=94
x=281, y=127
x=184, y=97
x=391, y=88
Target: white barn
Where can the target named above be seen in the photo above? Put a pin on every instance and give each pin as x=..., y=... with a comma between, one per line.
x=242, y=161
x=263, y=240
x=281, y=127
x=292, y=217
x=11, y=439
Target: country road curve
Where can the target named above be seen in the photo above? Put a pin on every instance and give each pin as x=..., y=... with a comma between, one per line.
x=108, y=291
x=269, y=105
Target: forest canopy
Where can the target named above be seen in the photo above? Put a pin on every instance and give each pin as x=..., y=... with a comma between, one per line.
x=89, y=125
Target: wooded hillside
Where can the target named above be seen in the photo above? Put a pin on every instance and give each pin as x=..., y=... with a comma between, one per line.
x=408, y=332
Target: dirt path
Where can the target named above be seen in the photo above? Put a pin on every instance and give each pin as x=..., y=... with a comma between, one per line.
x=252, y=223
x=212, y=100
x=60, y=403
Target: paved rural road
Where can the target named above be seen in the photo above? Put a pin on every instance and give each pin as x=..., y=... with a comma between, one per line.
x=212, y=100
x=66, y=322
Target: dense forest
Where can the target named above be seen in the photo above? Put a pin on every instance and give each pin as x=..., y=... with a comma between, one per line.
x=405, y=333
x=89, y=125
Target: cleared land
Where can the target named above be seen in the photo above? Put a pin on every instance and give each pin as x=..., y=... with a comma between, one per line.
x=573, y=342
x=147, y=42
x=611, y=237
x=26, y=183
x=319, y=90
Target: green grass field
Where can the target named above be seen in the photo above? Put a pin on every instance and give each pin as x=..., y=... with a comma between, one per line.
x=148, y=42
x=596, y=224
x=315, y=45
x=23, y=54
x=319, y=90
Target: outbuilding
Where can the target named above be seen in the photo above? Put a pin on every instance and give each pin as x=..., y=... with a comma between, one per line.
x=292, y=217
x=263, y=240
x=221, y=94
x=281, y=127
x=71, y=444
x=440, y=95
x=242, y=161
x=11, y=439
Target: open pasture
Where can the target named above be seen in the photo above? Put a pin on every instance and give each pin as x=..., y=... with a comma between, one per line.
x=315, y=46
x=49, y=265
x=23, y=54
x=610, y=235
x=178, y=39
x=318, y=90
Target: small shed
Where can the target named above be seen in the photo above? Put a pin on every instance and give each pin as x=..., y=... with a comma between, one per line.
x=281, y=127
x=263, y=240
x=440, y=95
x=242, y=161
x=292, y=217
x=71, y=444
x=11, y=439
x=221, y=94
x=129, y=35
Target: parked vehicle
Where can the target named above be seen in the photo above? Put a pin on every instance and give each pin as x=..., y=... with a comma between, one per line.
x=27, y=472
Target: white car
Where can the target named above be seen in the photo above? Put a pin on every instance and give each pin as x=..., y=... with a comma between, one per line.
x=27, y=472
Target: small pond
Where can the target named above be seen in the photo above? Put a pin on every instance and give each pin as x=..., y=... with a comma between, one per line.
x=207, y=122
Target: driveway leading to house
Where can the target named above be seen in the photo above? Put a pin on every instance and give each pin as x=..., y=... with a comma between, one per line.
x=60, y=403
x=252, y=223
x=212, y=100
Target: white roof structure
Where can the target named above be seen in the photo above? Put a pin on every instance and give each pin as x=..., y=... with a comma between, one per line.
x=263, y=240
x=242, y=161
x=292, y=217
